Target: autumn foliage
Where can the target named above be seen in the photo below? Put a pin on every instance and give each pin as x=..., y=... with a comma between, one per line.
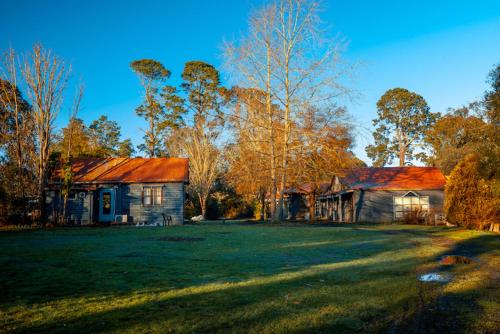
x=470, y=200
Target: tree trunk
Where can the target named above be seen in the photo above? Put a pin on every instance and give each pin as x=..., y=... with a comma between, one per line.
x=312, y=206
x=262, y=204
x=402, y=155
x=65, y=205
x=203, y=204
x=286, y=132
x=41, y=200
x=152, y=143
x=42, y=170
x=269, y=110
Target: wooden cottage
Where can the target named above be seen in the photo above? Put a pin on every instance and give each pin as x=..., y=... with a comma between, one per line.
x=126, y=190
x=378, y=194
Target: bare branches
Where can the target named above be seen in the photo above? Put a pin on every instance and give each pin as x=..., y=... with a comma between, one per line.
x=46, y=76
x=288, y=57
x=74, y=112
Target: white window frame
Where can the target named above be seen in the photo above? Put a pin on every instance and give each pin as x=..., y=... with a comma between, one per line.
x=152, y=195
x=407, y=203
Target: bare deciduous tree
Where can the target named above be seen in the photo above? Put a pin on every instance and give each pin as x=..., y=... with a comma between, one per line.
x=204, y=161
x=251, y=64
x=286, y=55
x=46, y=76
x=74, y=113
x=247, y=157
x=321, y=151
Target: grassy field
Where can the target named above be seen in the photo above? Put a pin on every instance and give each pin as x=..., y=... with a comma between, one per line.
x=247, y=278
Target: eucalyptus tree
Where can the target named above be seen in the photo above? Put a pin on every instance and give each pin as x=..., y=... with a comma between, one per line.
x=152, y=74
x=403, y=118
x=198, y=140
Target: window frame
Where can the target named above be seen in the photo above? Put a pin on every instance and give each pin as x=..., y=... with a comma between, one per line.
x=154, y=194
x=411, y=201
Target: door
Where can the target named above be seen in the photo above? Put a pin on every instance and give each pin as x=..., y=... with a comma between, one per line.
x=106, y=205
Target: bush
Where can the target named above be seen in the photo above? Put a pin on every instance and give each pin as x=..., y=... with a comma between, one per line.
x=469, y=198
x=415, y=217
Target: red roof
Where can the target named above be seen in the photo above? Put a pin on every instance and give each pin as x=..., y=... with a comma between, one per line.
x=129, y=170
x=395, y=178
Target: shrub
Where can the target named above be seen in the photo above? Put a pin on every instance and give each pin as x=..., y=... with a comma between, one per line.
x=415, y=217
x=469, y=198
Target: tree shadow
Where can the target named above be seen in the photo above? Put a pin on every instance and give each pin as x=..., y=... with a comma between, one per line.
x=440, y=310
x=61, y=276
x=271, y=300
x=263, y=303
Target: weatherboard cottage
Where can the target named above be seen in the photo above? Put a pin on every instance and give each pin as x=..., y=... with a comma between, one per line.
x=374, y=194
x=126, y=190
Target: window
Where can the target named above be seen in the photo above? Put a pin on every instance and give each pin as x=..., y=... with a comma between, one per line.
x=73, y=195
x=408, y=203
x=151, y=196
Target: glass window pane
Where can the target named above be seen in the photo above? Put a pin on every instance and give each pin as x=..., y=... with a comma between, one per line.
x=158, y=196
x=398, y=208
x=415, y=200
x=147, y=196
x=106, y=203
x=425, y=208
x=398, y=200
x=424, y=200
x=407, y=200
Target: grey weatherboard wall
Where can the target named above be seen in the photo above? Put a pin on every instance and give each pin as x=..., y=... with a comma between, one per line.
x=128, y=201
x=172, y=205
x=377, y=205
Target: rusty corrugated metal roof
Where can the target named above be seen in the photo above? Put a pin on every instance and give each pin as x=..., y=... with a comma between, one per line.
x=395, y=178
x=382, y=178
x=129, y=170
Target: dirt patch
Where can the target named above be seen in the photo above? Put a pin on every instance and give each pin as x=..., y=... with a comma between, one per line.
x=178, y=239
x=449, y=260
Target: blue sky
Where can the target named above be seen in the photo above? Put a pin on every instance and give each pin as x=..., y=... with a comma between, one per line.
x=442, y=50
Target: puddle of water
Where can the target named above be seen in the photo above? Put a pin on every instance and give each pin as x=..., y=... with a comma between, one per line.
x=434, y=277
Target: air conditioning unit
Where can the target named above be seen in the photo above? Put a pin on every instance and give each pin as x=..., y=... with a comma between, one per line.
x=121, y=218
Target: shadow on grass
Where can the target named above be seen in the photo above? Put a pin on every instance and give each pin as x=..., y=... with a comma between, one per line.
x=34, y=281
x=278, y=303
x=459, y=310
x=332, y=296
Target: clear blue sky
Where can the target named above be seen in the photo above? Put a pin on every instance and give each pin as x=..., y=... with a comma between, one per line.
x=440, y=49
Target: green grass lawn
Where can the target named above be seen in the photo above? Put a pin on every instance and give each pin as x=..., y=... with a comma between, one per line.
x=247, y=278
